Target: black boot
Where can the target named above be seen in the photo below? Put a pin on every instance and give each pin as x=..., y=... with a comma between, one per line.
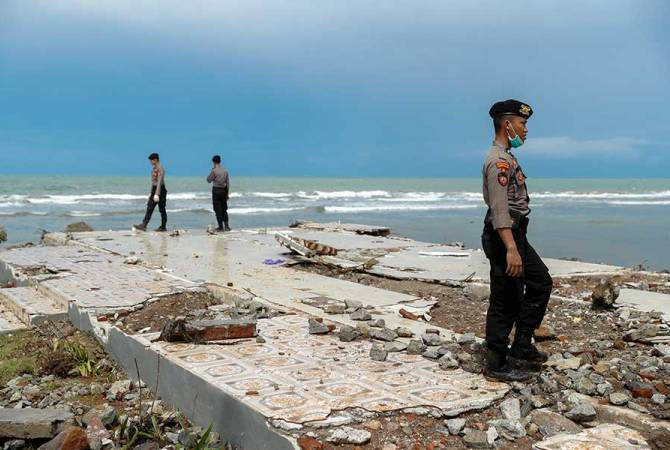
x=141, y=226
x=523, y=353
x=497, y=368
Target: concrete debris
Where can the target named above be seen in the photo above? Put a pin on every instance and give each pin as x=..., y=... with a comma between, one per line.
x=361, y=315
x=605, y=293
x=378, y=353
x=348, y=333
x=32, y=423
x=131, y=260
x=395, y=346
x=78, y=227
x=606, y=436
x=583, y=412
x=318, y=327
x=511, y=409
x=404, y=332
x=349, y=435
x=415, y=347
x=383, y=334
x=334, y=308
x=455, y=426
x=304, y=247
x=476, y=438
x=56, y=239
x=431, y=339
x=448, y=362
x=550, y=423
x=509, y=429
x=183, y=329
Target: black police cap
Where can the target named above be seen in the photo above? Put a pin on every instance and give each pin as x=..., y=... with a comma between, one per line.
x=153, y=156
x=511, y=107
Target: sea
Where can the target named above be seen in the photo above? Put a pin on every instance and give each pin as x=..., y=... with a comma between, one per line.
x=616, y=221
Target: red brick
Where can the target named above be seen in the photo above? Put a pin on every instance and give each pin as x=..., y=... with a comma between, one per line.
x=309, y=443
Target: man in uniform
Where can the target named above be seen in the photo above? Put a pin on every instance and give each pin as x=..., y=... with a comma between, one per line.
x=220, y=192
x=158, y=195
x=520, y=282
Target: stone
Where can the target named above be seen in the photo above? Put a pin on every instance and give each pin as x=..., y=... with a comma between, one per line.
x=585, y=386
x=78, y=227
x=363, y=328
x=96, y=433
x=604, y=388
x=431, y=339
x=659, y=399
x=415, y=347
x=119, y=389
x=108, y=416
x=509, y=429
x=637, y=407
x=353, y=304
x=348, y=333
x=31, y=423
x=56, y=239
x=383, y=334
x=641, y=390
x=309, y=443
x=605, y=293
x=604, y=436
x=377, y=353
x=619, y=398
x=447, y=362
x=478, y=292
x=550, y=423
x=583, y=412
x=71, y=438
x=511, y=409
x=491, y=435
x=404, y=332
x=544, y=333
x=466, y=338
x=316, y=327
x=14, y=444
x=349, y=435
x=432, y=353
x=455, y=426
x=378, y=323
x=476, y=438
x=395, y=346
x=361, y=315
x=565, y=364
x=334, y=308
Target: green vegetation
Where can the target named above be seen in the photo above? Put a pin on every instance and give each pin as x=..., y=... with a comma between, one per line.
x=15, y=356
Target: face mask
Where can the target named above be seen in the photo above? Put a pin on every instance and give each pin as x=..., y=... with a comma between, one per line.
x=515, y=141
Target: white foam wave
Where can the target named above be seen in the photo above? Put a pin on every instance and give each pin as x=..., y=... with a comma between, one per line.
x=639, y=202
x=83, y=214
x=329, y=195
x=601, y=195
x=260, y=210
x=371, y=208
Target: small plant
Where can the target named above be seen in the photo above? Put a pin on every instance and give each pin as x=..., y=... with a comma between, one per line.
x=198, y=443
x=154, y=432
x=83, y=361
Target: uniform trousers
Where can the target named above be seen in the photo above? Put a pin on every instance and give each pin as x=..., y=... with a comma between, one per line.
x=151, y=205
x=220, y=204
x=514, y=301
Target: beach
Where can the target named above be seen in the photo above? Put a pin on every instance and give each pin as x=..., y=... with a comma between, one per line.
x=615, y=221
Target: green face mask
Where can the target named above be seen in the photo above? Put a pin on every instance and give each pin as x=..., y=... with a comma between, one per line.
x=515, y=141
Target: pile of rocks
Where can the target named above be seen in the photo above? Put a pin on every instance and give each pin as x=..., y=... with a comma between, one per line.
x=43, y=412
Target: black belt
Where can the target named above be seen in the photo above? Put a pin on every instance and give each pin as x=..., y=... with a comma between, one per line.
x=519, y=221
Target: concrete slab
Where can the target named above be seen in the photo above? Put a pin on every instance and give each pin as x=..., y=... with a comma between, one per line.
x=606, y=436
x=300, y=378
x=645, y=301
x=9, y=323
x=30, y=306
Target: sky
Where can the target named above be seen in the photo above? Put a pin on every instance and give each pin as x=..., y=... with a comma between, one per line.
x=332, y=88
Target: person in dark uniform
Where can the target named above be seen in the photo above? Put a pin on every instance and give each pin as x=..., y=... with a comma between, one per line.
x=520, y=282
x=220, y=192
x=158, y=195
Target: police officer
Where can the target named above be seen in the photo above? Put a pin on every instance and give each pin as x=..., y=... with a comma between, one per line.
x=158, y=195
x=520, y=282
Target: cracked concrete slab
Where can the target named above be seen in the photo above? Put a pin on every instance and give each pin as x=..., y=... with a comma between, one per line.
x=606, y=436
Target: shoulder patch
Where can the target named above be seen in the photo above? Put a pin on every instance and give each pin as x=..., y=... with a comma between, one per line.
x=503, y=179
x=503, y=165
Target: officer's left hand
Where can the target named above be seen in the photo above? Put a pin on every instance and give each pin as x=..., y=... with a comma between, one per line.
x=156, y=198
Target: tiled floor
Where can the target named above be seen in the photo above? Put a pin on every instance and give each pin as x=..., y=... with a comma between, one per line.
x=300, y=377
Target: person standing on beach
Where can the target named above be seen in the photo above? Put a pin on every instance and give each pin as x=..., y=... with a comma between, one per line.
x=158, y=195
x=220, y=191
x=520, y=282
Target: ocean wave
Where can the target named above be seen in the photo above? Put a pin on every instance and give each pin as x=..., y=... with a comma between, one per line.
x=639, y=202
x=261, y=210
x=330, y=195
x=601, y=195
x=371, y=208
x=23, y=213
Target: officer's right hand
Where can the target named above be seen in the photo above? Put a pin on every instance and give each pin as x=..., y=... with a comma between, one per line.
x=514, y=264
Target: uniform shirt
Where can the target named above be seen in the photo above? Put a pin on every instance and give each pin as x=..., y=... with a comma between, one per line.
x=504, y=187
x=219, y=177
x=157, y=175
